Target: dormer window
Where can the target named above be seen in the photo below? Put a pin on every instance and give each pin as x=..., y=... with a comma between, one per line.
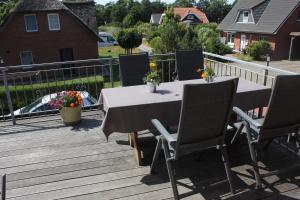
x=245, y=16
x=190, y=17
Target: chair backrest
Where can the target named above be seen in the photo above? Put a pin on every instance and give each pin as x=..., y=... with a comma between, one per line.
x=133, y=68
x=205, y=112
x=284, y=105
x=188, y=62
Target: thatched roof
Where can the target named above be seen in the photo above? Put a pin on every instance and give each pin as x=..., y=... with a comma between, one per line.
x=24, y=6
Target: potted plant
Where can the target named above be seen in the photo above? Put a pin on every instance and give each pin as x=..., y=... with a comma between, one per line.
x=69, y=105
x=208, y=73
x=152, y=78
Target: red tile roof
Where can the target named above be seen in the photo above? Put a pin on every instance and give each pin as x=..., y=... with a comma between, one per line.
x=183, y=12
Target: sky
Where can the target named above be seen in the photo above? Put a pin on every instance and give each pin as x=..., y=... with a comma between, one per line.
x=167, y=1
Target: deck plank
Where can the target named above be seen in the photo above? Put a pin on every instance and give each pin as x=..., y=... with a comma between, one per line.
x=45, y=160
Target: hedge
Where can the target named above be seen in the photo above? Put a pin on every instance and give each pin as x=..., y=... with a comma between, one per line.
x=23, y=95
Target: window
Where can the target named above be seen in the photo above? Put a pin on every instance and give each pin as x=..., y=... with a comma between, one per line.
x=245, y=16
x=299, y=16
x=26, y=58
x=190, y=17
x=31, y=23
x=230, y=37
x=53, y=22
x=263, y=37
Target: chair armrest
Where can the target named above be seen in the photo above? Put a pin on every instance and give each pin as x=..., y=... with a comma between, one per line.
x=162, y=130
x=246, y=117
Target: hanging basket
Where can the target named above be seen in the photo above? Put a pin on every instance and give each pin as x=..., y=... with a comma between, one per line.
x=71, y=116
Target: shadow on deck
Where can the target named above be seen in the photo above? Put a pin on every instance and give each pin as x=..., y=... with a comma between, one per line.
x=44, y=160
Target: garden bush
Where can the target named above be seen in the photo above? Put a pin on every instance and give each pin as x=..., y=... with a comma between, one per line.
x=259, y=50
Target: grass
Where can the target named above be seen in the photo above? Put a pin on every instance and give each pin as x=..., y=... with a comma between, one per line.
x=113, y=51
x=244, y=57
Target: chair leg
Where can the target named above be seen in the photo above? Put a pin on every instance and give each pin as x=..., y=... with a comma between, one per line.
x=237, y=133
x=170, y=167
x=225, y=160
x=253, y=158
x=3, y=189
x=156, y=154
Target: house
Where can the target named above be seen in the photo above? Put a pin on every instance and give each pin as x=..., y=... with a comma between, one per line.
x=190, y=15
x=275, y=21
x=156, y=18
x=43, y=31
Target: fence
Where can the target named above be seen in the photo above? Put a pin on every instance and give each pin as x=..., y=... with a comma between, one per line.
x=27, y=90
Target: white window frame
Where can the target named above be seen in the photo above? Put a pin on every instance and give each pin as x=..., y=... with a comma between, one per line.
x=37, y=26
x=22, y=59
x=230, y=37
x=54, y=29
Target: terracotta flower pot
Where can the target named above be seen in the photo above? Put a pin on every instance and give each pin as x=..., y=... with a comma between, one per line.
x=71, y=116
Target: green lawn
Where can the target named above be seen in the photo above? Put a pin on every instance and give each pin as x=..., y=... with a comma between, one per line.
x=113, y=51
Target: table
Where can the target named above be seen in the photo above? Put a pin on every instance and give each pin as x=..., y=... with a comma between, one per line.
x=130, y=109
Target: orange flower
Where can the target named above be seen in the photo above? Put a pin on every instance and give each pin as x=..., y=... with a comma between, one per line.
x=204, y=75
x=72, y=105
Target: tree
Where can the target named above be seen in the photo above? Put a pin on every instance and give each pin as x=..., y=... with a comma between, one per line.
x=184, y=3
x=100, y=14
x=5, y=8
x=119, y=11
x=190, y=39
x=129, y=21
x=215, y=10
x=129, y=39
x=209, y=38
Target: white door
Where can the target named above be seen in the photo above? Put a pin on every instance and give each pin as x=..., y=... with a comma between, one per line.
x=243, y=42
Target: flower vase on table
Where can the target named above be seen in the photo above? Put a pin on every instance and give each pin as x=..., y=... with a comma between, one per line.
x=208, y=74
x=152, y=78
x=69, y=105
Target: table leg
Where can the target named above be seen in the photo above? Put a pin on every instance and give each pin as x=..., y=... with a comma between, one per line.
x=130, y=140
x=137, y=147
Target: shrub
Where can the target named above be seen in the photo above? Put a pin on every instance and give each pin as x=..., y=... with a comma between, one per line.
x=145, y=28
x=258, y=50
x=23, y=95
x=190, y=40
x=244, y=57
x=129, y=39
x=157, y=45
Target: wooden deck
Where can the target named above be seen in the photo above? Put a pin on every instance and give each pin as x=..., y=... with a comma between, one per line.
x=45, y=160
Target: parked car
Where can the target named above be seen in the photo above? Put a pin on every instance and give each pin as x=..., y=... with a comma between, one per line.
x=43, y=103
x=107, y=40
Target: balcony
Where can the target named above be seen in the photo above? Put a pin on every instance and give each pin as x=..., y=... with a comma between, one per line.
x=44, y=159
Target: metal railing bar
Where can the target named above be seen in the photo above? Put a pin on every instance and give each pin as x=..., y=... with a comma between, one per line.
x=255, y=65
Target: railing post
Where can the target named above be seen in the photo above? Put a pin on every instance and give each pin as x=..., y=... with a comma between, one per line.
x=266, y=71
x=111, y=73
x=3, y=188
x=8, y=97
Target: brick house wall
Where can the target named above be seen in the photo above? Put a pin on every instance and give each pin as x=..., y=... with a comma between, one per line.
x=280, y=42
x=44, y=44
x=283, y=38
